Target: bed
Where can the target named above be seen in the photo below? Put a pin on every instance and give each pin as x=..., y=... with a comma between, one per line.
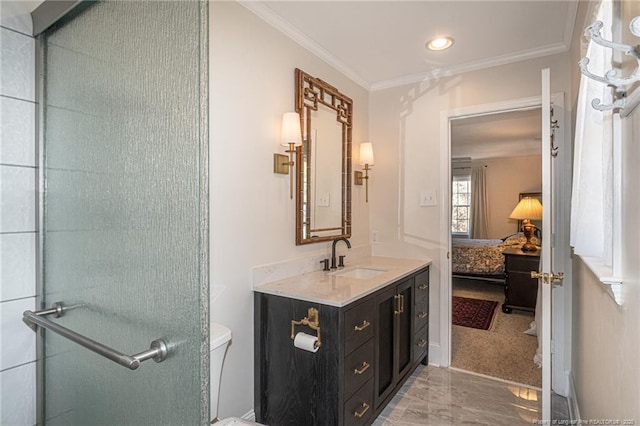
x=482, y=259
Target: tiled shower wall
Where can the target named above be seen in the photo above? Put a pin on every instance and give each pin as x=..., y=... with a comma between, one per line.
x=18, y=223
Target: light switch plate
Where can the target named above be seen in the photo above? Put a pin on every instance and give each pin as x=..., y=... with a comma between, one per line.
x=324, y=200
x=428, y=198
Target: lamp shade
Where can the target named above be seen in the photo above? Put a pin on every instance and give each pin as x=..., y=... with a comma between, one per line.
x=291, y=129
x=366, y=153
x=527, y=208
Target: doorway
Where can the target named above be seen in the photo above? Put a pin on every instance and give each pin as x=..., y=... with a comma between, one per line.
x=496, y=160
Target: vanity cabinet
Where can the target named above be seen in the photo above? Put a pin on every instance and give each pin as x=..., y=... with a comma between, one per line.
x=368, y=349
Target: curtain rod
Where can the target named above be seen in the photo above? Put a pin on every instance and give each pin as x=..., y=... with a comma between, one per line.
x=463, y=168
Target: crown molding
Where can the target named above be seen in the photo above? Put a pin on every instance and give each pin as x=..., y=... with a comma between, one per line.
x=270, y=17
x=472, y=66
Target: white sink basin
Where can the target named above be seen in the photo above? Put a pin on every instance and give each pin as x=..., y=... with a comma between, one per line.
x=359, y=273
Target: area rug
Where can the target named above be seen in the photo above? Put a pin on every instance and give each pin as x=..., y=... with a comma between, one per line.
x=473, y=313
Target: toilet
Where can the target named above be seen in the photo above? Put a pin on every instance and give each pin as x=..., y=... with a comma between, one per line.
x=220, y=337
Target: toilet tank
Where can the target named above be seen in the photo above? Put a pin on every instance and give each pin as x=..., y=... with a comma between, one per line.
x=219, y=340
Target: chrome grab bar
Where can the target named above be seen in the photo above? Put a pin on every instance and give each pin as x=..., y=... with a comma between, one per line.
x=157, y=351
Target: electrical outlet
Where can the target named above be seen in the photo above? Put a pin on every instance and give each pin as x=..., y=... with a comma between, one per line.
x=428, y=198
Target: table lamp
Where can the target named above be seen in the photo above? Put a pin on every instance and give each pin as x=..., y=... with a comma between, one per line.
x=526, y=210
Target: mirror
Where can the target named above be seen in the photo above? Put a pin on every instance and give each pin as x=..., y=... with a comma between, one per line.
x=323, y=196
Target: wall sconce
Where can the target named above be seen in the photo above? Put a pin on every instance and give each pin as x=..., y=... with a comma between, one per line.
x=366, y=160
x=291, y=137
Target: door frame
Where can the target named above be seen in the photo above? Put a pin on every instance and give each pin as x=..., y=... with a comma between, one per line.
x=561, y=311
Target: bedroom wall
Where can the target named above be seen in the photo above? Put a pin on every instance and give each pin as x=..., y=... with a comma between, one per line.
x=506, y=179
x=252, y=217
x=405, y=122
x=606, y=337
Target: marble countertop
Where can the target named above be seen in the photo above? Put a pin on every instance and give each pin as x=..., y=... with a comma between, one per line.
x=329, y=288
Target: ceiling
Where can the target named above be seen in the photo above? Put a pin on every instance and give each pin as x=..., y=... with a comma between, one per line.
x=380, y=44
x=506, y=134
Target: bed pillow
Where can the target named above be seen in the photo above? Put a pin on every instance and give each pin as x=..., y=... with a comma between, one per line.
x=518, y=239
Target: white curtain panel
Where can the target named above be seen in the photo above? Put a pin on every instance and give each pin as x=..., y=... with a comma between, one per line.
x=591, y=201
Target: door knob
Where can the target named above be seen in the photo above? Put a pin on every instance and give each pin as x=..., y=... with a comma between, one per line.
x=540, y=275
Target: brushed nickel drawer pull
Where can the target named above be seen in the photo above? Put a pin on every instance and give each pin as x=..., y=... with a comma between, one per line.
x=422, y=315
x=422, y=343
x=365, y=408
x=364, y=325
x=365, y=367
x=423, y=287
x=397, y=309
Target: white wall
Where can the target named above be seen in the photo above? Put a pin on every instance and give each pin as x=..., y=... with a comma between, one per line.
x=252, y=216
x=18, y=183
x=606, y=337
x=405, y=122
x=506, y=179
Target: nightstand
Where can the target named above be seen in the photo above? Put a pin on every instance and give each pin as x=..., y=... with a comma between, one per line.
x=520, y=290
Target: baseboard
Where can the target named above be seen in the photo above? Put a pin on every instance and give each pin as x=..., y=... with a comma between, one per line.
x=574, y=410
x=434, y=355
x=250, y=415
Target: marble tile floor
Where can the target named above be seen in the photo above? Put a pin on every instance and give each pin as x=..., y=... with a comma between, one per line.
x=441, y=396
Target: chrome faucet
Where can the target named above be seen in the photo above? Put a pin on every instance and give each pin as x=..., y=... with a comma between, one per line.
x=333, y=252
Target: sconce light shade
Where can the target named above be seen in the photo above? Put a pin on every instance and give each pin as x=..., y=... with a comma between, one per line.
x=366, y=153
x=291, y=133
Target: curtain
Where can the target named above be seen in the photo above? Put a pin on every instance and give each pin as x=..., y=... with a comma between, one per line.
x=479, y=221
x=591, y=200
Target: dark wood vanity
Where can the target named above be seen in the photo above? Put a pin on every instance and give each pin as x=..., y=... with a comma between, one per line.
x=369, y=347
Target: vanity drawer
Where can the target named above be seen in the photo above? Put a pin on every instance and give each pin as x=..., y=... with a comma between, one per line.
x=422, y=285
x=358, y=368
x=358, y=323
x=421, y=313
x=420, y=344
x=358, y=410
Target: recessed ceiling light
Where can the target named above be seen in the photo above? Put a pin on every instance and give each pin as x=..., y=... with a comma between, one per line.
x=440, y=43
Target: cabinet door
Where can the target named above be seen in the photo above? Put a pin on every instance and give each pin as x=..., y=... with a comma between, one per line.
x=394, y=344
x=404, y=329
x=385, y=306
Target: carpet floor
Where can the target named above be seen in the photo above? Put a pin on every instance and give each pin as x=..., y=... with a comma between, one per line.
x=503, y=351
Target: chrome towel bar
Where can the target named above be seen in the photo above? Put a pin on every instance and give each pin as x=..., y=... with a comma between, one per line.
x=157, y=351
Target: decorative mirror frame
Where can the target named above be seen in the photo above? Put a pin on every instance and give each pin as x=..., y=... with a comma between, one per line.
x=310, y=92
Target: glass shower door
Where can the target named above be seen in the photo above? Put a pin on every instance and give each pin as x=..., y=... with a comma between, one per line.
x=124, y=218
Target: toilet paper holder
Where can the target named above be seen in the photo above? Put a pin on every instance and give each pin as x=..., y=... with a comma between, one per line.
x=311, y=321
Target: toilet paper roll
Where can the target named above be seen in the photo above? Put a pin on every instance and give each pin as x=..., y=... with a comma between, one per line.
x=305, y=342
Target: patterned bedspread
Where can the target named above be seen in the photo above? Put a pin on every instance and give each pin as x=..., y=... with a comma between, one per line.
x=482, y=257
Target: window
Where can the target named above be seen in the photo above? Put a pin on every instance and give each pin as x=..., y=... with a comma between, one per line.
x=461, y=205
x=595, y=217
